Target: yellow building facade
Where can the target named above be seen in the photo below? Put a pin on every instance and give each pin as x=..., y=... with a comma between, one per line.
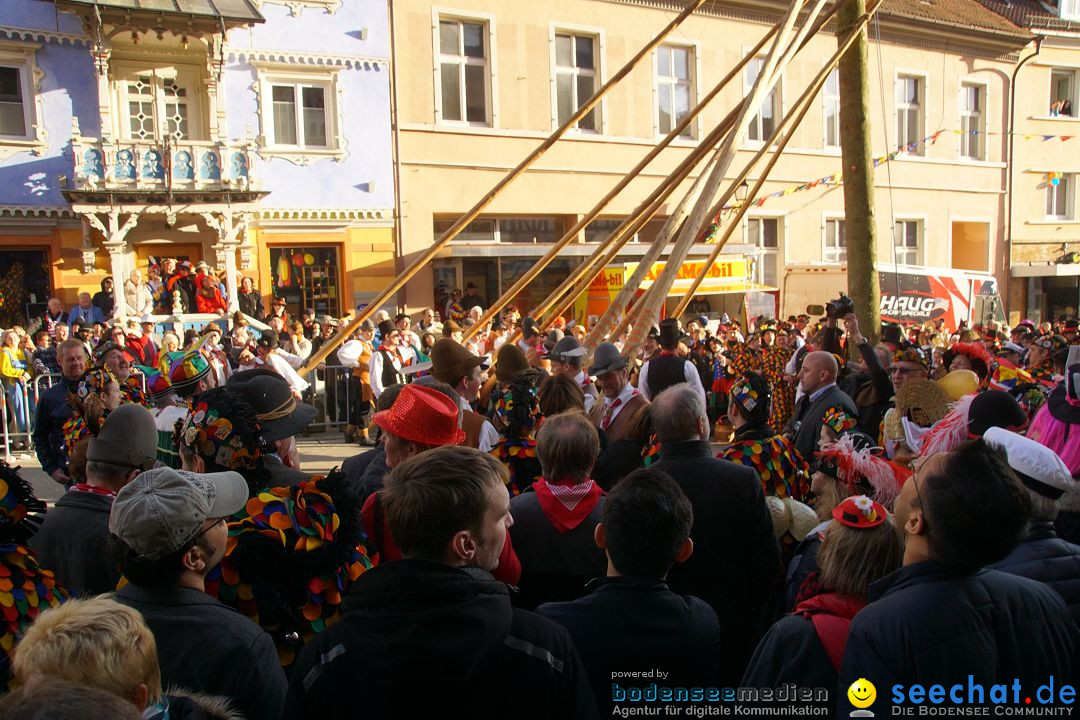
x=1042, y=219
x=479, y=83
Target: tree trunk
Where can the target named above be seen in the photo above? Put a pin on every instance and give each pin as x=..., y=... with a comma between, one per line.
x=859, y=229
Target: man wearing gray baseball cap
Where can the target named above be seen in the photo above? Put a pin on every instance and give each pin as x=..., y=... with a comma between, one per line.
x=168, y=530
x=73, y=539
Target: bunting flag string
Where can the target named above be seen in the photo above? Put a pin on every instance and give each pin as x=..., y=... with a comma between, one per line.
x=837, y=178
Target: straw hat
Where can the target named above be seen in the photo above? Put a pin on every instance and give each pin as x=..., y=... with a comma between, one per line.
x=924, y=402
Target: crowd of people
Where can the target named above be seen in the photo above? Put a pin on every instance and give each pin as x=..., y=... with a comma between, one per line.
x=532, y=522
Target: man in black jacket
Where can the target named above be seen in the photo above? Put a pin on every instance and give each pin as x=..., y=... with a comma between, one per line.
x=1041, y=555
x=434, y=632
x=817, y=380
x=73, y=539
x=943, y=619
x=53, y=410
x=168, y=531
x=667, y=368
x=736, y=555
x=630, y=619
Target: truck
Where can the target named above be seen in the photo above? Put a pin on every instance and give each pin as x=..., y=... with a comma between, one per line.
x=909, y=294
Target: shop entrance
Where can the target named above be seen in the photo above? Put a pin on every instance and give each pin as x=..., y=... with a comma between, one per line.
x=307, y=277
x=24, y=285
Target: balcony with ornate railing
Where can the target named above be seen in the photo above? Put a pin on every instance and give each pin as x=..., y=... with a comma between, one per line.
x=162, y=165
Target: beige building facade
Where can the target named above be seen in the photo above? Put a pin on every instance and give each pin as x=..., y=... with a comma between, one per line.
x=479, y=83
x=1042, y=219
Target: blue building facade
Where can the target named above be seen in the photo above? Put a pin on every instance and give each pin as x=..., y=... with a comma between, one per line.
x=254, y=137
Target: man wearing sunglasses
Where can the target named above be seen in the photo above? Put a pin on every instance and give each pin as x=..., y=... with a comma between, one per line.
x=168, y=530
x=943, y=619
x=73, y=539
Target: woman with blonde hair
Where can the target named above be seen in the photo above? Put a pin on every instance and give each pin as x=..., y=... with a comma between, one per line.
x=105, y=645
x=862, y=545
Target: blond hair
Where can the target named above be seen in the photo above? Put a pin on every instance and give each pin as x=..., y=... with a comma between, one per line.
x=852, y=558
x=96, y=642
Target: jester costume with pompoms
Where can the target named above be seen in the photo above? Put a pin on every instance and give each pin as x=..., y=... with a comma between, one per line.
x=517, y=415
x=769, y=362
x=26, y=589
x=293, y=551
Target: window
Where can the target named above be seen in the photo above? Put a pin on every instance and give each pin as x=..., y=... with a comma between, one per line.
x=831, y=109
x=600, y=230
x=907, y=242
x=575, y=76
x=1062, y=92
x=1069, y=9
x=463, y=71
x=764, y=123
x=530, y=230
x=835, y=250
x=507, y=230
x=157, y=103
x=972, y=121
x=764, y=233
x=674, y=87
x=299, y=112
x=13, y=103
x=1059, y=196
x=909, y=114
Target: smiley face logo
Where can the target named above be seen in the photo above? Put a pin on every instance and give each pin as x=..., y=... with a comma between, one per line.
x=862, y=693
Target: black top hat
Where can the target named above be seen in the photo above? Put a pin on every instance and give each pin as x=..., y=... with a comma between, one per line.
x=386, y=327
x=669, y=333
x=279, y=413
x=268, y=340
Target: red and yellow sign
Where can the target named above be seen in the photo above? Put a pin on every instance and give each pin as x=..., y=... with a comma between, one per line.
x=723, y=276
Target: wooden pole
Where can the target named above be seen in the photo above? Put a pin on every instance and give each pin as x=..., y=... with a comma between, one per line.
x=802, y=105
x=859, y=226
x=783, y=49
x=647, y=208
x=624, y=297
x=571, y=234
x=425, y=257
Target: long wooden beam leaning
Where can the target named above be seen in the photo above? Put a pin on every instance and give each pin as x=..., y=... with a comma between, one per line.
x=428, y=255
x=803, y=105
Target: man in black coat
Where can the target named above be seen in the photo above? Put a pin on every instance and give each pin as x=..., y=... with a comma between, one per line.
x=53, y=410
x=1041, y=555
x=736, y=555
x=817, y=380
x=73, y=539
x=630, y=619
x=168, y=531
x=434, y=632
x=943, y=619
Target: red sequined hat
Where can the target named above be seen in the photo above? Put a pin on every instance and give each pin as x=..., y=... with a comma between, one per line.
x=422, y=415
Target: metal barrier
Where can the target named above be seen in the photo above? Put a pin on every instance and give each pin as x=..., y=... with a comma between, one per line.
x=334, y=392
x=26, y=407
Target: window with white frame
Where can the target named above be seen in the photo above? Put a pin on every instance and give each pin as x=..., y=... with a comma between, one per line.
x=1059, y=197
x=910, y=94
x=299, y=114
x=576, y=77
x=1062, y=92
x=15, y=103
x=764, y=123
x=1069, y=9
x=972, y=121
x=300, y=110
x=764, y=234
x=907, y=242
x=835, y=248
x=464, y=78
x=21, y=128
x=830, y=97
x=674, y=87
